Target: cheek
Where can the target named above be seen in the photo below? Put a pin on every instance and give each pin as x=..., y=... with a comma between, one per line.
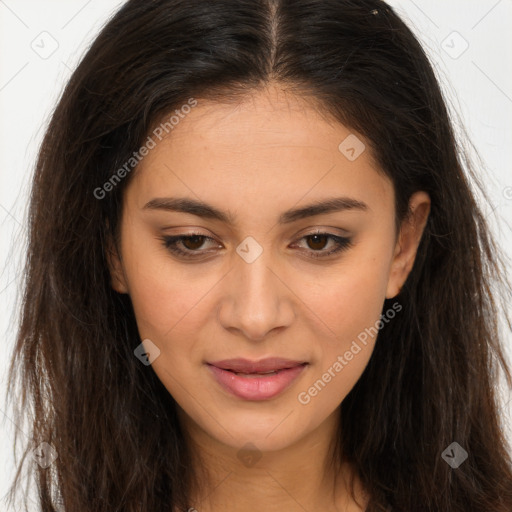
x=350, y=304
x=168, y=308
x=351, y=299
x=161, y=294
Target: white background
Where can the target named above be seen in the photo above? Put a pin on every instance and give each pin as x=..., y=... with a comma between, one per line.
x=477, y=80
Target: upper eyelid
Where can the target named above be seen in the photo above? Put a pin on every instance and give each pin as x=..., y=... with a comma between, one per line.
x=339, y=232
x=332, y=236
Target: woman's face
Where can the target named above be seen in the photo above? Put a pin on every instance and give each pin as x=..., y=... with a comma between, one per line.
x=256, y=283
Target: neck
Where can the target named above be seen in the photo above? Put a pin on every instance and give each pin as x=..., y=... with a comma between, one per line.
x=297, y=477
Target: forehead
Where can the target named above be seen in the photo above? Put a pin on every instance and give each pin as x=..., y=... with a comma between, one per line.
x=270, y=146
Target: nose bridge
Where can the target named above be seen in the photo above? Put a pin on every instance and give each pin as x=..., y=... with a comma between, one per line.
x=256, y=301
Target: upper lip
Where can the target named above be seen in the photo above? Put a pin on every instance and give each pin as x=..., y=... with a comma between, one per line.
x=263, y=365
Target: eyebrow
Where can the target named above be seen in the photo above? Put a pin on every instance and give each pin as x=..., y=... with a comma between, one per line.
x=207, y=211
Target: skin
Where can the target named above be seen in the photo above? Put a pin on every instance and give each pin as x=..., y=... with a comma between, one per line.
x=270, y=153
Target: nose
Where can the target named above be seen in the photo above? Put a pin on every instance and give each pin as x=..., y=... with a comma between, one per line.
x=256, y=300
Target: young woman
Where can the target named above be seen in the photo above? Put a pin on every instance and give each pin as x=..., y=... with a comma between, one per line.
x=258, y=278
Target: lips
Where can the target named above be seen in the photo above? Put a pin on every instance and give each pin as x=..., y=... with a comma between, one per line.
x=256, y=380
x=270, y=364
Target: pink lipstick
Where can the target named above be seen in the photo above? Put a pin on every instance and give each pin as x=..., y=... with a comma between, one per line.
x=256, y=380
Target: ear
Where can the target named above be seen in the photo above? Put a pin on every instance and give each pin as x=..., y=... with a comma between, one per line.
x=115, y=266
x=408, y=241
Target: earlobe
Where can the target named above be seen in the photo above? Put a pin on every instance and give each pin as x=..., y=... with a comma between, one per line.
x=409, y=239
x=117, y=276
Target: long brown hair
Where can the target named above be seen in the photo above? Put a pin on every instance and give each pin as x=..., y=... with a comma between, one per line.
x=431, y=379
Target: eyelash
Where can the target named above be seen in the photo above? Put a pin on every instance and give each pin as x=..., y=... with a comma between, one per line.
x=170, y=243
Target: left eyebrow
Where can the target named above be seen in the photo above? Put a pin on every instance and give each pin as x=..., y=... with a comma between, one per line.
x=336, y=204
x=205, y=210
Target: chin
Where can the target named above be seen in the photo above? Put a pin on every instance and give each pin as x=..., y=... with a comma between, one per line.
x=266, y=432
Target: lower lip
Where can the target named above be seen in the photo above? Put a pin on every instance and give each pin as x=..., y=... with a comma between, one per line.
x=261, y=387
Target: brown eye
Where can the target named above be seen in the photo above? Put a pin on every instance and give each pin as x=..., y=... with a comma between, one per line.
x=193, y=242
x=186, y=246
x=317, y=242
